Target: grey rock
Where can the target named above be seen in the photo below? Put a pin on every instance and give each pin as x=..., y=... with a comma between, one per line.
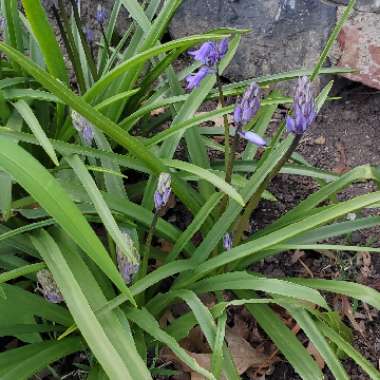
x=361, y=5
x=286, y=34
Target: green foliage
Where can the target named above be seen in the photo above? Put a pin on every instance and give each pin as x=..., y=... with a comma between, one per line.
x=67, y=205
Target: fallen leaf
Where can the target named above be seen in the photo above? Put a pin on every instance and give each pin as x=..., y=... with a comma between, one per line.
x=321, y=140
x=296, y=255
x=243, y=355
x=157, y=111
x=217, y=120
x=348, y=312
x=311, y=349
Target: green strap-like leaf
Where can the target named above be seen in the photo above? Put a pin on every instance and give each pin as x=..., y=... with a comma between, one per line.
x=24, y=362
x=45, y=189
x=30, y=119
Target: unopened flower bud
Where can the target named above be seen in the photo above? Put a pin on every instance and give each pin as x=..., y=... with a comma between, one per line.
x=83, y=126
x=163, y=191
x=304, y=109
x=126, y=267
x=48, y=287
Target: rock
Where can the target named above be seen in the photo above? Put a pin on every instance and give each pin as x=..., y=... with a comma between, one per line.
x=361, y=5
x=287, y=34
x=358, y=46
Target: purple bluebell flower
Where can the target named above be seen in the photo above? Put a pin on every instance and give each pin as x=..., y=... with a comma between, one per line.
x=101, y=14
x=304, y=109
x=223, y=48
x=206, y=54
x=194, y=80
x=210, y=53
x=227, y=242
x=247, y=107
x=126, y=267
x=163, y=191
x=48, y=287
x=253, y=138
x=90, y=36
x=83, y=126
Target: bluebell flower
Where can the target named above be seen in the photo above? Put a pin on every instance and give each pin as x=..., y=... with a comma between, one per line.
x=163, y=191
x=194, y=80
x=83, y=126
x=227, y=242
x=127, y=268
x=304, y=108
x=210, y=53
x=90, y=36
x=247, y=107
x=48, y=287
x=101, y=14
x=253, y=138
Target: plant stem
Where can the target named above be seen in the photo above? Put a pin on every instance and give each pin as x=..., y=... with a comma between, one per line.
x=106, y=44
x=254, y=201
x=146, y=254
x=68, y=40
x=225, y=119
x=86, y=47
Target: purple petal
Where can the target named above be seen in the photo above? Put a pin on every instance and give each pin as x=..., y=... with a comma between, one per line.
x=194, y=80
x=88, y=134
x=158, y=202
x=227, y=241
x=207, y=54
x=254, y=138
x=237, y=114
x=290, y=124
x=223, y=48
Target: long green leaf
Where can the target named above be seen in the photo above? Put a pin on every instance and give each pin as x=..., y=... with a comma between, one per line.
x=44, y=188
x=284, y=339
x=30, y=119
x=100, y=205
x=373, y=373
x=24, y=362
x=89, y=325
x=206, y=175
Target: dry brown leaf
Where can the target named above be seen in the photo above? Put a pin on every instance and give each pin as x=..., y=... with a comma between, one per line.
x=348, y=312
x=243, y=354
x=296, y=255
x=364, y=260
x=166, y=318
x=218, y=120
x=311, y=349
x=157, y=111
x=240, y=327
x=321, y=140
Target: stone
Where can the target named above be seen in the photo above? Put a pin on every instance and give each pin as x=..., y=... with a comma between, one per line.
x=361, y=5
x=358, y=46
x=286, y=34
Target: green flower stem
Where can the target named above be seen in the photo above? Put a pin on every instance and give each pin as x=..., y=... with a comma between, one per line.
x=145, y=257
x=86, y=47
x=68, y=40
x=225, y=119
x=242, y=222
x=106, y=44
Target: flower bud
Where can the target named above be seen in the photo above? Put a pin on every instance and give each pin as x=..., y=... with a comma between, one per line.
x=48, y=287
x=83, y=126
x=163, y=191
x=127, y=268
x=304, y=109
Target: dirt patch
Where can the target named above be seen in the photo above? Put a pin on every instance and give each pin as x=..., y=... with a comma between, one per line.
x=345, y=136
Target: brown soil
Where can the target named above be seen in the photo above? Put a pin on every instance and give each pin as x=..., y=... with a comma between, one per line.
x=345, y=136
